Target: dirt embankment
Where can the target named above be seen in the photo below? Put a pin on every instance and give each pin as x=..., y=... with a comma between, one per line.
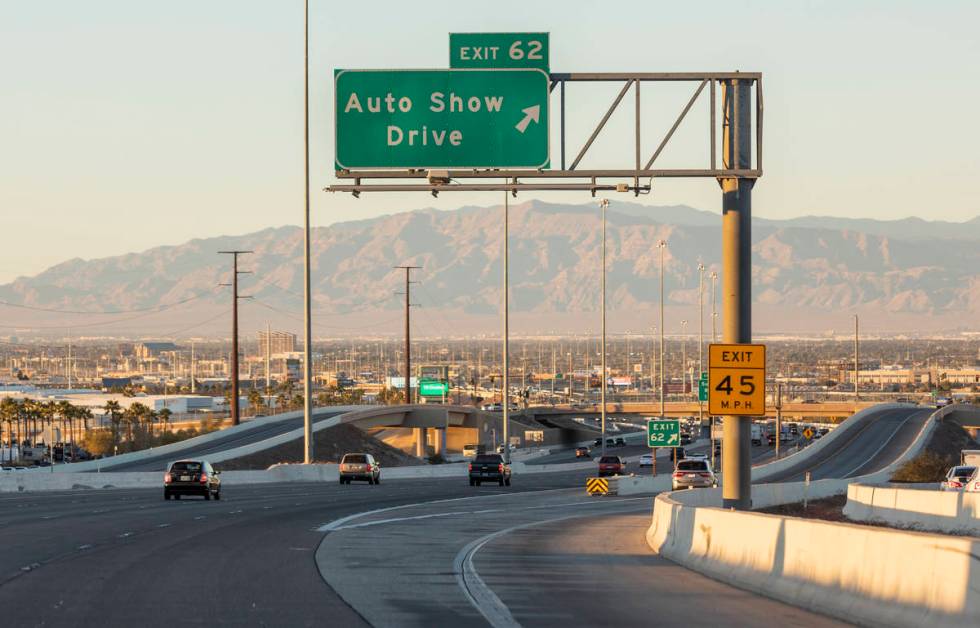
x=330, y=445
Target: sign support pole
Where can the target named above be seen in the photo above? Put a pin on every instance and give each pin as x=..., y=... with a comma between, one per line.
x=737, y=279
x=307, y=297
x=506, y=353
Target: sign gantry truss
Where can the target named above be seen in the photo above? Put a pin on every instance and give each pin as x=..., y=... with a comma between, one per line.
x=634, y=172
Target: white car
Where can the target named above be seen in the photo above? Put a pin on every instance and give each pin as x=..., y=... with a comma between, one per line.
x=957, y=478
x=646, y=460
x=696, y=457
x=972, y=485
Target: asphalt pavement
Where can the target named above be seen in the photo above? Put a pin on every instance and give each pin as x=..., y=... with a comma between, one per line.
x=127, y=557
x=409, y=552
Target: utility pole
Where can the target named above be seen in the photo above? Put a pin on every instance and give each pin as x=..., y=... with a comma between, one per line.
x=268, y=357
x=68, y=365
x=235, y=417
x=308, y=456
x=857, y=364
x=737, y=276
x=570, y=378
x=604, y=203
x=193, y=370
x=408, y=331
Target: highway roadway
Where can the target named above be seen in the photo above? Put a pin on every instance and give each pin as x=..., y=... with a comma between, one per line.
x=882, y=438
x=410, y=552
x=237, y=438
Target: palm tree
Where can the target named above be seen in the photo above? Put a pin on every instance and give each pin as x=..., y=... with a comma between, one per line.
x=8, y=411
x=165, y=415
x=254, y=400
x=114, y=410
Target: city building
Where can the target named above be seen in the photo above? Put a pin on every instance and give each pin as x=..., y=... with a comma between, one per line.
x=273, y=342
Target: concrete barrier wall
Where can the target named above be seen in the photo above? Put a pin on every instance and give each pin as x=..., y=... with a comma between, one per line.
x=862, y=574
x=915, y=508
x=176, y=448
x=871, y=576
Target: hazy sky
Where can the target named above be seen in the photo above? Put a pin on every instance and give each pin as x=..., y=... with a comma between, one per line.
x=128, y=124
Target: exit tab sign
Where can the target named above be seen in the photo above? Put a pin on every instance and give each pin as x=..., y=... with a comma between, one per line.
x=737, y=379
x=499, y=50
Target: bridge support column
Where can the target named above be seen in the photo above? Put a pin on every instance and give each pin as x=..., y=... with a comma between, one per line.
x=419, y=441
x=439, y=444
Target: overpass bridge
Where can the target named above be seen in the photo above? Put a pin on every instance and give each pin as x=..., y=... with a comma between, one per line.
x=836, y=410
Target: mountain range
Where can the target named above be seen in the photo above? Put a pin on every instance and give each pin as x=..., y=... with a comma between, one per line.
x=809, y=274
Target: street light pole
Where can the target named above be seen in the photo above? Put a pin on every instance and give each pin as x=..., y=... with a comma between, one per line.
x=700, y=338
x=307, y=296
x=714, y=312
x=604, y=203
x=662, y=244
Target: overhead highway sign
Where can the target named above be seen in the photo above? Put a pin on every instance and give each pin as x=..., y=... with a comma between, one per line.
x=431, y=119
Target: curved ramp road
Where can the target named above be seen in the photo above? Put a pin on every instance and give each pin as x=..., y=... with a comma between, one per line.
x=876, y=444
x=222, y=443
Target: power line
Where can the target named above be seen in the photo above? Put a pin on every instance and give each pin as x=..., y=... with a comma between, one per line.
x=155, y=308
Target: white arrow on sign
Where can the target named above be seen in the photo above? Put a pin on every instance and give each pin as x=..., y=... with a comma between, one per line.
x=531, y=114
x=673, y=438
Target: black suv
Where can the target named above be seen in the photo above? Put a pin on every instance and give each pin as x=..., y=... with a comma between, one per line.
x=191, y=477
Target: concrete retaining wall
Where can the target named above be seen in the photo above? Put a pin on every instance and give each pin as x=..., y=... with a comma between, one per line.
x=915, y=508
x=872, y=576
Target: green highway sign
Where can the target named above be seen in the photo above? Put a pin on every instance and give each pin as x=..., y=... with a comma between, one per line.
x=703, y=387
x=433, y=389
x=499, y=50
x=663, y=433
x=441, y=118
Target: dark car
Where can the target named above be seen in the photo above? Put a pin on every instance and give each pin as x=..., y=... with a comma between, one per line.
x=582, y=452
x=191, y=477
x=489, y=468
x=620, y=442
x=610, y=442
x=771, y=439
x=359, y=467
x=597, y=442
x=611, y=465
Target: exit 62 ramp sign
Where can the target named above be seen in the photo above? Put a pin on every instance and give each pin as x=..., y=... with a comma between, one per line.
x=462, y=118
x=663, y=433
x=737, y=379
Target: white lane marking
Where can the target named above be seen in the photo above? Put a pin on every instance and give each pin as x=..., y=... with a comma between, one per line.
x=377, y=522
x=877, y=451
x=476, y=590
x=163, y=525
x=199, y=517
x=234, y=512
x=368, y=524
x=125, y=534
x=85, y=547
x=336, y=523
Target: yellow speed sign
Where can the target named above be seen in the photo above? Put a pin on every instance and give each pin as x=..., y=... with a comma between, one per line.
x=737, y=379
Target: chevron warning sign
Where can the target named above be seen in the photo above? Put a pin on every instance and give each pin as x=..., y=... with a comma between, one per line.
x=597, y=486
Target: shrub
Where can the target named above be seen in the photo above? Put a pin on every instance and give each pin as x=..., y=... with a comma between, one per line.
x=926, y=467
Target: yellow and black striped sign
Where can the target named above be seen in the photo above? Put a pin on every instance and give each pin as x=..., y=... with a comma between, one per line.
x=597, y=486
